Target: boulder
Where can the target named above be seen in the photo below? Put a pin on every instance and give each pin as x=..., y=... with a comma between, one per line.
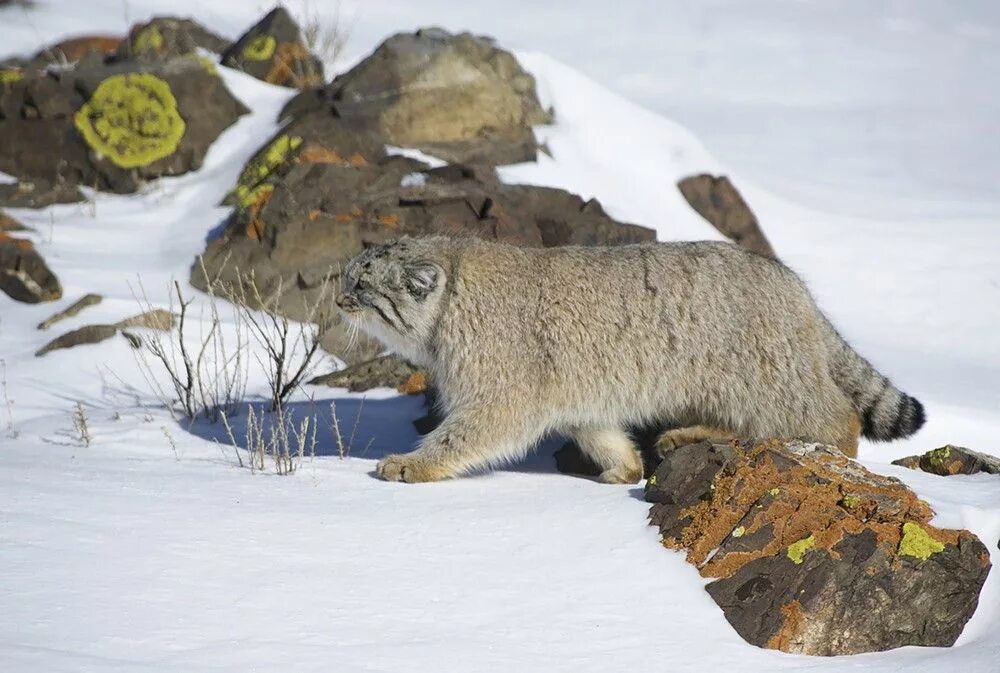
x=314, y=210
x=458, y=97
x=274, y=51
x=948, y=460
x=166, y=37
x=717, y=200
x=108, y=126
x=812, y=553
x=24, y=275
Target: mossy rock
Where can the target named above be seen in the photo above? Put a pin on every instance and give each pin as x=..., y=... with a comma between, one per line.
x=273, y=50
x=109, y=126
x=949, y=460
x=166, y=37
x=812, y=553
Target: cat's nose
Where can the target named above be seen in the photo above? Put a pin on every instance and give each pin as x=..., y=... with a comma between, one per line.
x=346, y=302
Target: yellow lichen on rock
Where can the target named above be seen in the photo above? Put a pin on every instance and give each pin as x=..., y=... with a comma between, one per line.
x=797, y=550
x=260, y=48
x=261, y=166
x=148, y=39
x=10, y=75
x=917, y=543
x=132, y=120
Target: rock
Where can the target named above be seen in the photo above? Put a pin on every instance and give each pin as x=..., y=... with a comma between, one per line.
x=158, y=319
x=8, y=223
x=108, y=126
x=75, y=49
x=813, y=553
x=459, y=97
x=83, y=302
x=273, y=51
x=24, y=275
x=38, y=194
x=307, y=216
x=949, y=460
x=89, y=334
x=716, y=199
x=166, y=37
x=380, y=372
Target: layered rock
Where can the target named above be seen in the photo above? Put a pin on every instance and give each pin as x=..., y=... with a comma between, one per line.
x=811, y=552
x=458, y=97
x=948, y=460
x=108, y=126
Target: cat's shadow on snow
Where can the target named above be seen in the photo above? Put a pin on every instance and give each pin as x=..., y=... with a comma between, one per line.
x=369, y=429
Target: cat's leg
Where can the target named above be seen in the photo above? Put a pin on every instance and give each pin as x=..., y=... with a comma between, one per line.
x=613, y=452
x=466, y=440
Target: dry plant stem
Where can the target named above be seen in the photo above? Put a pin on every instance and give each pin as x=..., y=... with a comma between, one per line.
x=291, y=351
x=8, y=404
x=80, y=423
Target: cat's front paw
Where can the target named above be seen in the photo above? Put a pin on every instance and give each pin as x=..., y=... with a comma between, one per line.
x=411, y=468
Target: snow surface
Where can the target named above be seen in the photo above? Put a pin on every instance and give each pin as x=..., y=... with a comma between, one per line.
x=150, y=550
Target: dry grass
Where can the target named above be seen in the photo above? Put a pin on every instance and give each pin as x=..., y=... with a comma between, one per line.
x=325, y=37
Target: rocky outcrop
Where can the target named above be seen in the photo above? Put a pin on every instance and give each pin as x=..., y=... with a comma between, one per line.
x=274, y=51
x=948, y=460
x=108, y=126
x=24, y=275
x=458, y=97
x=718, y=201
x=811, y=552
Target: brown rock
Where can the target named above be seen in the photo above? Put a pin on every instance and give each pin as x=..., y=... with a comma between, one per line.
x=385, y=371
x=273, y=50
x=89, y=334
x=459, y=97
x=716, y=199
x=8, y=223
x=83, y=302
x=813, y=553
x=166, y=37
x=949, y=460
x=24, y=275
x=73, y=49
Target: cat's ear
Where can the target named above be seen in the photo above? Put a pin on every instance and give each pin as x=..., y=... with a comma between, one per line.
x=422, y=279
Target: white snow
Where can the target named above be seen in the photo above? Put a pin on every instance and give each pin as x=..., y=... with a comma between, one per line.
x=864, y=139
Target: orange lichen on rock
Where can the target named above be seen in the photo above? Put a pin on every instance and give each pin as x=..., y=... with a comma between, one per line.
x=791, y=627
x=318, y=154
x=415, y=385
x=776, y=502
x=255, y=224
x=292, y=66
x=389, y=220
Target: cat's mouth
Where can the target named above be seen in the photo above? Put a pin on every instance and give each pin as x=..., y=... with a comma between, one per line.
x=347, y=303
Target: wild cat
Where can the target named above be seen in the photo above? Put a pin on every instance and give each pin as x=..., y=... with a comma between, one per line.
x=587, y=341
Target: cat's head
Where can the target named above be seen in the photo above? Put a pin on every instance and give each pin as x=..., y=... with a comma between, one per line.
x=392, y=292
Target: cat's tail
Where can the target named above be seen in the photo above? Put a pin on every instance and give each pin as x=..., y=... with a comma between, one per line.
x=885, y=411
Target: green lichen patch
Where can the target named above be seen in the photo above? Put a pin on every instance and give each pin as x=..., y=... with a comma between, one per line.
x=149, y=39
x=850, y=501
x=652, y=480
x=262, y=165
x=917, y=543
x=131, y=119
x=10, y=75
x=261, y=48
x=938, y=456
x=797, y=550
x=739, y=531
x=774, y=491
